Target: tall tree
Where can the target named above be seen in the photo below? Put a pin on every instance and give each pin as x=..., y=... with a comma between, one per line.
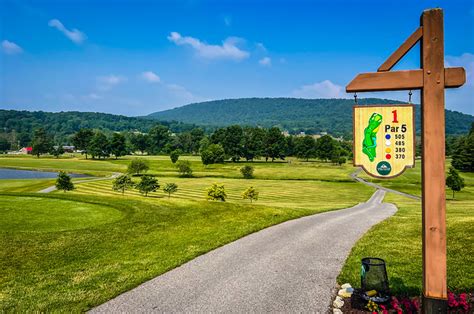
x=197, y=134
x=326, y=148
x=158, y=137
x=233, y=142
x=99, y=145
x=213, y=154
x=81, y=139
x=463, y=156
x=305, y=147
x=118, y=146
x=139, y=142
x=253, y=143
x=275, y=144
x=4, y=145
x=42, y=142
x=137, y=166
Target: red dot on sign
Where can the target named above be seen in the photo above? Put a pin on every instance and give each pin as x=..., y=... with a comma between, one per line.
x=388, y=156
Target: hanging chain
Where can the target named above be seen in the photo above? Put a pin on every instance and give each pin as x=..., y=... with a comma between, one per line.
x=409, y=96
x=355, y=98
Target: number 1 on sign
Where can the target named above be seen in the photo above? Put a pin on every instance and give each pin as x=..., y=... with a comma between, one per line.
x=395, y=120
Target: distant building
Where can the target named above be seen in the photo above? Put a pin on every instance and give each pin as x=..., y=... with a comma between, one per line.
x=69, y=149
x=26, y=150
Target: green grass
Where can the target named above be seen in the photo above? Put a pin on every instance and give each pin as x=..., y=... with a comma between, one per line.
x=292, y=169
x=277, y=193
x=50, y=268
x=24, y=185
x=398, y=241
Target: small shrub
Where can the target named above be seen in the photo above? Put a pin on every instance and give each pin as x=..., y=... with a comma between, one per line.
x=170, y=188
x=147, y=184
x=250, y=194
x=63, y=182
x=184, y=168
x=341, y=161
x=216, y=193
x=247, y=172
x=174, y=155
x=138, y=166
x=454, y=181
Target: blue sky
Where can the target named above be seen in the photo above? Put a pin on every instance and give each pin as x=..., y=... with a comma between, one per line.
x=137, y=57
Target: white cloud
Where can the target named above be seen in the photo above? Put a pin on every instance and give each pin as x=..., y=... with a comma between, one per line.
x=324, y=89
x=228, y=49
x=75, y=35
x=182, y=94
x=266, y=62
x=107, y=82
x=151, y=77
x=11, y=48
x=462, y=99
x=261, y=47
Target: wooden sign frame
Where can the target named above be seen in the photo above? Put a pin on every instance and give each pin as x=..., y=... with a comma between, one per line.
x=354, y=142
x=432, y=78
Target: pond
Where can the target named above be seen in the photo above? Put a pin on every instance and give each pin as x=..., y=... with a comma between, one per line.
x=31, y=174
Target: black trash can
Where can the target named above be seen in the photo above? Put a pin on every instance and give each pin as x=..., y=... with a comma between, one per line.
x=373, y=276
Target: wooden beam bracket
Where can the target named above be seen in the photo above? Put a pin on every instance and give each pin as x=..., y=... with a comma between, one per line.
x=402, y=50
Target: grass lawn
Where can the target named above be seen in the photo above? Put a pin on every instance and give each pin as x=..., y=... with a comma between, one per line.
x=398, y=241
x=50, y=261
x=72, y=251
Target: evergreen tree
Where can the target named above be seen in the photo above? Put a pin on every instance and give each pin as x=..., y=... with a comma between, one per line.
x=174, y=155
x=63, y=182
x=42, y=142
x=454, y=181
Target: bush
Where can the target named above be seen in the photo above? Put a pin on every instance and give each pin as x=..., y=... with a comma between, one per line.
x=147, y=184
x=341, y=160
x=213, y=154
x=247, y=172
x=137, y=166
x=184, y=168
x=250, y=194
x=63, y=182
x=216, y=193
x=174, y=155
x=170, y=188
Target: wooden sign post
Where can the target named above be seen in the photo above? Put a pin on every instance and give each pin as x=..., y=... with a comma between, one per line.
x=431, y=79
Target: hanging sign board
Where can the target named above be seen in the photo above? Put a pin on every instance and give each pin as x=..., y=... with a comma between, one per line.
x=384, y=139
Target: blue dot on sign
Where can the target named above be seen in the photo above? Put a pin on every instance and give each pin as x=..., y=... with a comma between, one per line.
x=387, y=136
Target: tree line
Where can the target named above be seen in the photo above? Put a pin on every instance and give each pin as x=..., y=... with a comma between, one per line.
x=233, y=143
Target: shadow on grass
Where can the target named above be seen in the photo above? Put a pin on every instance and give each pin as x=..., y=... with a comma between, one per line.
x=398, y=287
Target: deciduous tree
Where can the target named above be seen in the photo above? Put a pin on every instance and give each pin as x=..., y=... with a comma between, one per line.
x=122, y=183
x=147, y=184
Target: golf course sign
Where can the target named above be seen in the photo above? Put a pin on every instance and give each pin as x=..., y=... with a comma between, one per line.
x=384, y=142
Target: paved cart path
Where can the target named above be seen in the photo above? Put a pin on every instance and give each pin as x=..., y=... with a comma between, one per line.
x=290, y=267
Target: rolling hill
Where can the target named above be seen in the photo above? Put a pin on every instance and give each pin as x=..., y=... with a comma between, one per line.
x=310, y=115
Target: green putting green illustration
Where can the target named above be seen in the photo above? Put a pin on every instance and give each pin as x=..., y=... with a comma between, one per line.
x=370, y=136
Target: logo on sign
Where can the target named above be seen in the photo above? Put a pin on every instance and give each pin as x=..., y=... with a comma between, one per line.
x=384, y=168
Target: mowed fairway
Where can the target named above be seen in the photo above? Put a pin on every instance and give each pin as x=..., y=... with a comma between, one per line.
x=72, y=251
x=277, y=193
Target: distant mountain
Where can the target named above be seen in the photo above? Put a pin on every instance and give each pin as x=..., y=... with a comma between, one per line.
x=311, y=115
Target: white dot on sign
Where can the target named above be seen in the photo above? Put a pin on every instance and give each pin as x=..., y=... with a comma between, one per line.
x=387, y=142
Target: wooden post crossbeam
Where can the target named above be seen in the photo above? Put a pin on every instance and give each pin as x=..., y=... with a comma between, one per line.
x=431, y=79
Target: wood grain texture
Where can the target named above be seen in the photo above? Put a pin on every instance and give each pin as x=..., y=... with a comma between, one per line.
x=433, y=145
